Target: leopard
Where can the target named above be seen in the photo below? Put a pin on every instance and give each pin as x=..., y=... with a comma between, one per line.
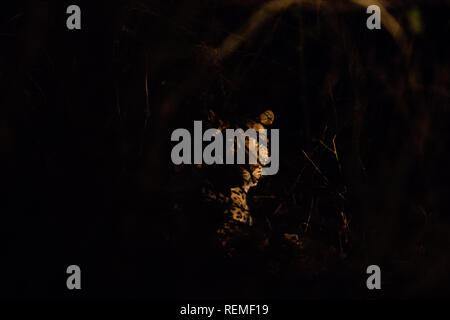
x=226, y=188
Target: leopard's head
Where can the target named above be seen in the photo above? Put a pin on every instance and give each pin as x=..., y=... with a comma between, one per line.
x=249, y=174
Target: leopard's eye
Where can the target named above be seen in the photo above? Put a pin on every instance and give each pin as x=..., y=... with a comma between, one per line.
x=267, y=117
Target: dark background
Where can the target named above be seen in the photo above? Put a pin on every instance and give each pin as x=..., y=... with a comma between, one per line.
x=86, y=117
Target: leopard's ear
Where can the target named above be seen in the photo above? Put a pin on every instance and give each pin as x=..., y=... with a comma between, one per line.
x=214, y=120
x=211, y=115
x=267, y=117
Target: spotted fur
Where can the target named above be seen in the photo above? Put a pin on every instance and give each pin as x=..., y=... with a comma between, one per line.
x=232, y=200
